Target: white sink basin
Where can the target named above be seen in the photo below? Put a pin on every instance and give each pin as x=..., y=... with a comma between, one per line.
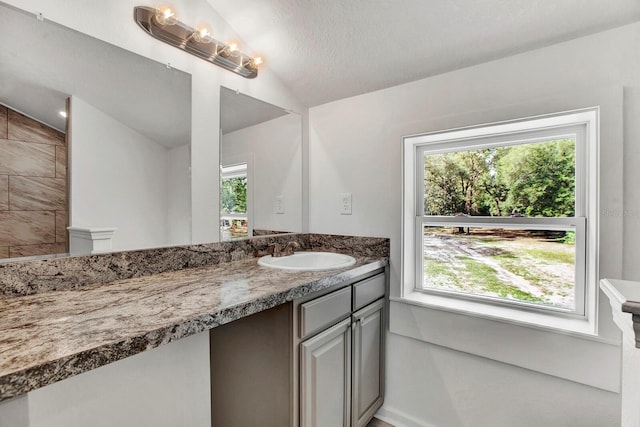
x=308, y=261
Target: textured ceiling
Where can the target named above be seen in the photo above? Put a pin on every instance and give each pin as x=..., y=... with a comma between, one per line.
x=325, y=50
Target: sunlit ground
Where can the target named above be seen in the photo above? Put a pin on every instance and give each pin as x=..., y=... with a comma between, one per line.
x=510, y=264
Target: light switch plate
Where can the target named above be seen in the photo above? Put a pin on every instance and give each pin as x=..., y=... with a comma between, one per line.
x=279, y=205
x=345, y=203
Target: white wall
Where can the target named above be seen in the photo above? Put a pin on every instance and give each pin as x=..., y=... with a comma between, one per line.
x=437, y=387
x=118, y=179
x=276, y=149
x=179, y=195
x=15, y=412
x=142, y=390
x=355, y=146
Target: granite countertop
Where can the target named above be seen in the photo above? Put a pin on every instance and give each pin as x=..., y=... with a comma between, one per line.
x=50, y=336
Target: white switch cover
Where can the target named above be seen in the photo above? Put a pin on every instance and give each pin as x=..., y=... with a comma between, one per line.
x=279, y=205
x=345, y=205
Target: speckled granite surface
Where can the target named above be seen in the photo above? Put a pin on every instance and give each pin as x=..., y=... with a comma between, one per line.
x=32, y=277
x=48, y=336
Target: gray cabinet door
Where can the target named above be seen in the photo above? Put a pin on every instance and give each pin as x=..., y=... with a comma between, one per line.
x=368, y=363
x=325, y=378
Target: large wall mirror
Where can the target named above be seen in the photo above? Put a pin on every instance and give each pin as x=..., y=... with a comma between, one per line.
x=260, y=167
x=121, y=161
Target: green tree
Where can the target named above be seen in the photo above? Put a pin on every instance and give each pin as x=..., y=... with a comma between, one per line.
x=443, y=195
x=494, y=189
x=536, y=179
x=233, y=195
x=454, y=183
x=540, y=178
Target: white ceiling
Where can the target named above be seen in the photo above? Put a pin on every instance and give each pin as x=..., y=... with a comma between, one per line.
x=43, y=63
x=325, y=50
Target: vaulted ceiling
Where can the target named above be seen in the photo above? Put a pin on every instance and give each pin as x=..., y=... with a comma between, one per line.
x=325, y=50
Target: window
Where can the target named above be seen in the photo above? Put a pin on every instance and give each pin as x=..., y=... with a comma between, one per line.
x=234, y=220
x=496, y=218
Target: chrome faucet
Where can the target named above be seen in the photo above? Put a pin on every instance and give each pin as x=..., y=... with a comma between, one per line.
x=274, y=250
x=288, y=250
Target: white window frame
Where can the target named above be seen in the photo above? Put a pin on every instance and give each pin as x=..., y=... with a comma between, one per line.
x=579, y=124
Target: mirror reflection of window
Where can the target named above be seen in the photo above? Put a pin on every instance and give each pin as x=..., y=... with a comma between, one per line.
x=269, y=139
x=234, y=218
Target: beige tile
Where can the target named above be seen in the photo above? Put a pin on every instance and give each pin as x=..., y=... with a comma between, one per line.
x=4, y=193
x=33, y=250
x=3, y=122
x=62, y=222
x=22, y=128
x=27, y=228
x=37, y=194
x=61, y=162
x=4, y=252
x=25, y=159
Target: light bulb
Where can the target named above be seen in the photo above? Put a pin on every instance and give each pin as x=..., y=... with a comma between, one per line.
x=165, y=16
x=230, y=49
x=234, y=50
x=202, y=35
x=63, y=114
x=254, y=63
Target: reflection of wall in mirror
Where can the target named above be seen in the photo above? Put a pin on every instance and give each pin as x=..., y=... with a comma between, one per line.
x=33, y=187
x=123, y=179
x=276, y=146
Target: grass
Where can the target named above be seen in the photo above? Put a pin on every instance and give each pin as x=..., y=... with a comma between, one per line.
x=488, y=279
x=436, y=268
x=478, y=264
x=550, y=255
x=440, y=272
x=512, y=263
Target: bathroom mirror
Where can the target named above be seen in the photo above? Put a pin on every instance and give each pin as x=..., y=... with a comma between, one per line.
x=260, y=168
x=127, y=148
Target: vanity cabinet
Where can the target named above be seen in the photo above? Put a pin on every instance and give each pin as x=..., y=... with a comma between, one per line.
x=314, y=362
x=341, y=381
x=325, y=377
x=368, y=363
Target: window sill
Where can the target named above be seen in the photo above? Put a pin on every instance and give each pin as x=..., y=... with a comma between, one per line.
x=513, y=315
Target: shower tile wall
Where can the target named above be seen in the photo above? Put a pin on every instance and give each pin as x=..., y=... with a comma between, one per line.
x=33, y=187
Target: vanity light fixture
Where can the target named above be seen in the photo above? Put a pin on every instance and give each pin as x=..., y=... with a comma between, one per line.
x=163, y=25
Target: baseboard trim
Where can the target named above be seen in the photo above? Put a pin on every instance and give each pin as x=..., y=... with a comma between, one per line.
x=399, y=419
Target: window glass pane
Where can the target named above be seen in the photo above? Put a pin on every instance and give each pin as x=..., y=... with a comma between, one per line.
x=533, y=180
x=233, y=195
x=233, y=202
x=532, y=266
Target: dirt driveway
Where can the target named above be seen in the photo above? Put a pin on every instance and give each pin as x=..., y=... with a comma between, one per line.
x=515, y=264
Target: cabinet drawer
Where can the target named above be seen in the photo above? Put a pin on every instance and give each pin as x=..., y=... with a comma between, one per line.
x=368, y=291
x=324, y=311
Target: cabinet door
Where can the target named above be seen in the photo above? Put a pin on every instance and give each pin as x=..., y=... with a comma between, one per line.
x=325, y=378
x=368, y=362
